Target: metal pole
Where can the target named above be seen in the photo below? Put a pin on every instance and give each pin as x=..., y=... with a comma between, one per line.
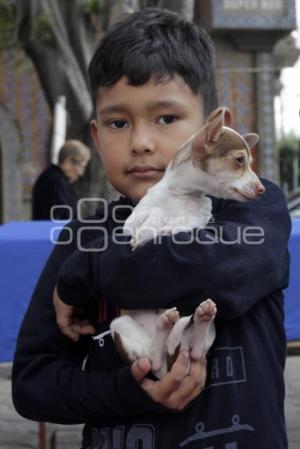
x=59, y=127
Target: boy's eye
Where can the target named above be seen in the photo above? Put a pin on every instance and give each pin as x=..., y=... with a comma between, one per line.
x=117, y=124
x=166, y=119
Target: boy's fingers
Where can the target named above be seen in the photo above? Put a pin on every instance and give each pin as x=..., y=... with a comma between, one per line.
x=192, y=385
x=82, y=327
x=63, y=311
x=68, y=324
x=72, y=328
x=87, y=329
x=140, y=369
x=62, y=320
x=163, y=389
x=172, y=381
x=181, y=385
x=69, y=332
x=201, y=366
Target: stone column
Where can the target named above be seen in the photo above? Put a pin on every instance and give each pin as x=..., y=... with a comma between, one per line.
x=268, y=156
x=10, y=176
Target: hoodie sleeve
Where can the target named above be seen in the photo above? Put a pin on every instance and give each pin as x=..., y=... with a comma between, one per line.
x=48, y=383
x=237, y=260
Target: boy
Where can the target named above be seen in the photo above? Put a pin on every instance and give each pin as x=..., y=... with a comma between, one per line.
x=153, y=82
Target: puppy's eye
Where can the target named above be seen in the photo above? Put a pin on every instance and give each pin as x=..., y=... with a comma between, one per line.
x=240, y=161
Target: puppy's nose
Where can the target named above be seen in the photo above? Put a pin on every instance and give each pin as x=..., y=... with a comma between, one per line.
x=259, y=188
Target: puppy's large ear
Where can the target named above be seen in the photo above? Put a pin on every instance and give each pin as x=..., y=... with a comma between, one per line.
x=251, y=139
x=199, y=145
x=226, y=113
x=183, y=154
x=216, y=120
x=203, y=143
x=194, y=148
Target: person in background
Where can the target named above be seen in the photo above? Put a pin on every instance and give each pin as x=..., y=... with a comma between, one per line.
x=54, y=186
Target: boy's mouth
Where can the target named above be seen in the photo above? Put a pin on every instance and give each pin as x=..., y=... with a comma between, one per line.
x=145, y=171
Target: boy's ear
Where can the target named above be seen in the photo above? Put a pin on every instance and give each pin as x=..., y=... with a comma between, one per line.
x=251, y=139
x=95, y=135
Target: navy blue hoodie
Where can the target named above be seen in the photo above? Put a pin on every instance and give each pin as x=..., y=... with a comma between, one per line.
x=240, y=261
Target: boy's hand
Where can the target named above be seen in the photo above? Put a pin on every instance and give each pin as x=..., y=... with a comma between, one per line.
x=177, y=388
x=68, y=320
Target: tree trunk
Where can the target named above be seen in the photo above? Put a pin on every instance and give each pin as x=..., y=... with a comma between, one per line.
x=60, y=52
x=60, y=40
x=184, y=7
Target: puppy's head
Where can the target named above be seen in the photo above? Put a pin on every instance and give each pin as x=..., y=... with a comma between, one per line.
x=223, y=158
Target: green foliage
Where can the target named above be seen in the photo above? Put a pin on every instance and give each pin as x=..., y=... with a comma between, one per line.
x=92, y=7
x=42, y=29
x=7, y=24
x=289, y=159
x=288, y=143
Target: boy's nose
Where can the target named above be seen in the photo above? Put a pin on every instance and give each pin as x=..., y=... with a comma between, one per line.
x=142, y=143
x=140, y=149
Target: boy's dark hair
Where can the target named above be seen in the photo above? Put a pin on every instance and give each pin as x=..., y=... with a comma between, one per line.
x=156, y=43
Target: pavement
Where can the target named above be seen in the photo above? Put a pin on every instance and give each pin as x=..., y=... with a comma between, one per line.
x=292, y=400
x=19, y=433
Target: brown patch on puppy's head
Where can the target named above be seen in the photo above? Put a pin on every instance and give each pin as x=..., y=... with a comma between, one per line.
x=230, y=145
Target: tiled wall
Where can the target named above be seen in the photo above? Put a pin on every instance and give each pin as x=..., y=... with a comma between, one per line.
x=236, y=84
x=23, y=99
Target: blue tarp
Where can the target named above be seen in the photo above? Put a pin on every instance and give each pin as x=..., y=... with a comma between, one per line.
x=292, y=293
x=24, y=249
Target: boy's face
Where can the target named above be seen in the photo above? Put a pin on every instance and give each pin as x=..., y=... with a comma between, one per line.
x=138, y=130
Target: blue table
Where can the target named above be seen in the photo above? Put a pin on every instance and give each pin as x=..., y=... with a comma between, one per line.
x=24, y=249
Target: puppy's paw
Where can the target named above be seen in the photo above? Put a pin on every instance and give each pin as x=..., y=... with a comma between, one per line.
x=167, y=319
x=204, y=329
x=206, y=311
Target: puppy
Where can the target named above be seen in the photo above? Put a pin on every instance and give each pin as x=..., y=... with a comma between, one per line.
x=215, y=161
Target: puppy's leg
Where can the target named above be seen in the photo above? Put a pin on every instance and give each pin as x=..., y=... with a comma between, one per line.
x=179, y=339
x=130, y=339
x=163, y=327
x=204, y=329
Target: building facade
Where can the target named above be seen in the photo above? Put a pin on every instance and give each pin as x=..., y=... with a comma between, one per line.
x=244, y=33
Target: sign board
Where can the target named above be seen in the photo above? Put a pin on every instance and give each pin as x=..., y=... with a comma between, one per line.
x=256, y=15
x=251, y=24
x=255, y=7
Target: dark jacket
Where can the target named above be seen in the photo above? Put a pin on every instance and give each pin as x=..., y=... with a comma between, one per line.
x=242, y=404
x=53, y=188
